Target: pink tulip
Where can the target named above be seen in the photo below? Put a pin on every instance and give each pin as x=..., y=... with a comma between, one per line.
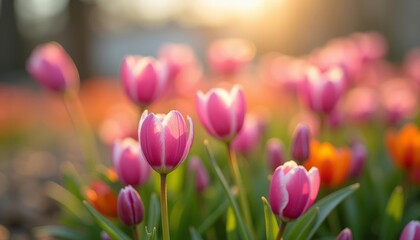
x=322, y=90
x=131, y=167
x=358, y=159
x=164, y=141
x=178, y=57
x=345, y=235
x=300, y=143
x=143, y=78
x=361, y=103
x=201, y=176
x=293, y=190
x=130, y=206
x=412, y=64
x=411, y=231
x=53, y=68
x=275, y=153
x=222, y=113
x=249, y=136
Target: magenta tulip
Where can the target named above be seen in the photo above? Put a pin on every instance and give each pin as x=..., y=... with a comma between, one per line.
x=249, y=136
x=222, y=113
x=345, y=235
x=358, y=159
x=300, y=143
x=178, y=57
x=201, y=177
x=275, y=153
x=143, y=78
x=53, y=68
x=411, y=231
x=130, y=206
x=164, y=140
x=131, y=167
x=293, y=190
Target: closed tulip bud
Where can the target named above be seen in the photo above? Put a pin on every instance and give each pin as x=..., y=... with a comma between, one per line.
x=345, y=235
x=201, y=176
x=249, y=136
x=130, y=206
x=131, y=167
x=275, y=153
x=358, y=158
x=105, y=236
x=411, y=231
x=164, y=140
x=222, y=113
x=143, y=78
x=322, y=90
x=293, y=190
x=300, y=143
x=53, y=68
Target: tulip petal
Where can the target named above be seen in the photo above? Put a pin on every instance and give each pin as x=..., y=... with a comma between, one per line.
x=201, y=103
x=279, y=197
x=175, y=138
x=152, y=141
x=190, y=139
x=299, y=191
x=314, y=183
x=238, y=109
x=219, y=112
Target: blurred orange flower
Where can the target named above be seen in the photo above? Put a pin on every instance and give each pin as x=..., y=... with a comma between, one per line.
x=404, y=147
x=103, y=199
x=333, y=163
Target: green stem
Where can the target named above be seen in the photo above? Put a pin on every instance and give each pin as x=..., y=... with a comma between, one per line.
x=281, y=230
x=243, y=201
x=81, y=125
x=136, y=235
x=164, y=207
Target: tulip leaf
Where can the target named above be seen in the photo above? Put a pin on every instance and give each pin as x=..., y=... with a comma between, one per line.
x=211, y=219
x=151, y=235
x=231, y=225
x=153, y=214
x=113, y=231
x=233, y=204
x=325, y=206
x=194, y=234
x=59, y=232
x=393, y=214
x=303, y=227
x=271, y=225
x=71, y=180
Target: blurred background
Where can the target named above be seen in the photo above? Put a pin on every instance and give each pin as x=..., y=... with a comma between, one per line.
x=99, y=33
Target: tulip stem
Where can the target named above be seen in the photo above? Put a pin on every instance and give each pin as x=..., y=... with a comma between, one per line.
x=136, y=235
x=281, y=230
x=243, y=201
x=164, y=207
x=81, y=125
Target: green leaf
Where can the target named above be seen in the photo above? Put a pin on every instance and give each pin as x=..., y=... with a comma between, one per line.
x=271, y=225
x=393, y=214
x=305, y=224
x=231, y=225
x=211, y=219
x=153, y=215
x=234, y=205
x=71, y=179
x=194, y=234
x=59, y=232
x=151, y=235
x=113, y=231
x=325, y=206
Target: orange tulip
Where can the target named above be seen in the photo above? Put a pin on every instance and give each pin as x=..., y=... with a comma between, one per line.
x=103, y=199
x=333, y=164
x=404, y=147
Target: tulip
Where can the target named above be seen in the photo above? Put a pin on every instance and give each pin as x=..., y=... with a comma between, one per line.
x=130, y=206
x=322, y=90
x=358, y=159
x=105, y=236
x=345, y=235
x=228, y=56
x=249, y=136
x=131, y=167
x=201, y=177
x=361, y=104
x=404, y=147
x=411, y=231
x=178, y=57
x=333, y=163
x=143, y=78
x=275, y=153
x=164, y=141
x=300, y=143
x=103, y=199
x=53, y=68
x=222, y=113
x=293, y=190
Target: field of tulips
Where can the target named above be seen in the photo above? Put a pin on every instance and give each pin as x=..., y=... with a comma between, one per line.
x=239, y=146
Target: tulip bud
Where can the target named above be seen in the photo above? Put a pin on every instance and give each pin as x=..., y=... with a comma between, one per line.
x=130, y=206
x=411, y=231
x=222, y=113
x=345, y=235
x=131, y=167
x=201, y=176
x=143, y=78
x=300, y=143
x=53, y=68
x=105, y=236
x=164, y=140
x=358, y=158
x=249, y=136
x=274, y=153
x=293, y=190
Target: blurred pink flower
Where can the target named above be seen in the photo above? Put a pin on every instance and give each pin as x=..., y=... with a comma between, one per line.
x=372, y=45
x=250, y=135
x=201, y=177
x=412, y=65
x=275, y=153
x=345, y=235
x=411, y=231
x=358, y=159
x=300, y=143
x=177, y=57
x=360, y=104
